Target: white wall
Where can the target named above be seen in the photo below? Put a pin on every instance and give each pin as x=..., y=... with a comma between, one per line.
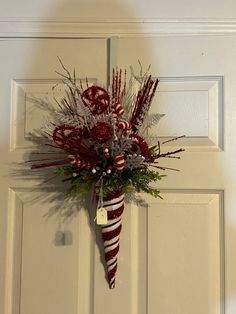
x=88, y=9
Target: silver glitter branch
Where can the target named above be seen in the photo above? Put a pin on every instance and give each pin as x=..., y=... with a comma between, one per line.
x=134, y=161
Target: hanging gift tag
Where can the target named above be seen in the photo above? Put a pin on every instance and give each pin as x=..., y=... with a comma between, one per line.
x=101, y=216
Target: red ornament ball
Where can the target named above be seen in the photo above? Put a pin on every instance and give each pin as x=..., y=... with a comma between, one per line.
x=85, y=178
x=101, y=132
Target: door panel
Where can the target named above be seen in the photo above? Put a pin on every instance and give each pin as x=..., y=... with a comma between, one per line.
x=184, y=253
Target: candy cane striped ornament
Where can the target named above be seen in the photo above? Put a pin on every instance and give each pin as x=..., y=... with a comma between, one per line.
x=119, y=163
x=75, y=161
x=124, y=125
x=114, y=204
x=117, y=108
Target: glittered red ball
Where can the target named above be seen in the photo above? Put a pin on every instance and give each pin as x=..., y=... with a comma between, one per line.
x=96, y=98
x=101, y=132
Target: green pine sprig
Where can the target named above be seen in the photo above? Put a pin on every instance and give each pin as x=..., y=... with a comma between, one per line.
x=138, y=179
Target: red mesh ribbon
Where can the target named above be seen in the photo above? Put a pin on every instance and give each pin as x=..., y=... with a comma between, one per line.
x=96, y=98
x=67, y=137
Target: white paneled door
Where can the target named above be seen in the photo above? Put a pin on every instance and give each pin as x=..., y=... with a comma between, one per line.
x=177, y=254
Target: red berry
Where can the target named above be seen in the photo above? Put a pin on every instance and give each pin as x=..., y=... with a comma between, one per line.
x=85, y=178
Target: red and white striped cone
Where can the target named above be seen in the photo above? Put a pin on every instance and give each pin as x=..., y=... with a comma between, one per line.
x=114, y=204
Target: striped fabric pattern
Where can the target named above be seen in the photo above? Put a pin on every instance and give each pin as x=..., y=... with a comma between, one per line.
x=114, y=205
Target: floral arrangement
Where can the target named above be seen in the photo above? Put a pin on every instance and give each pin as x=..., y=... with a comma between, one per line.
x=102, y=138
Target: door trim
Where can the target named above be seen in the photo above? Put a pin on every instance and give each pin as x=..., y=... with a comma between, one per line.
x=100, y=28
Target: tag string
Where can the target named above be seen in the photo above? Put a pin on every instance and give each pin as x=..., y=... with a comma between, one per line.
x=100, y=199
x=101, y=192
